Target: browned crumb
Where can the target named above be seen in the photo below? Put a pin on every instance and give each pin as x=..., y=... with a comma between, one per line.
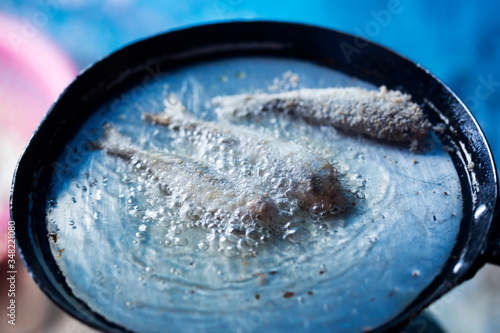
x=60, y=252
x=53, y=236
x=414, y=161
x=288, y=294
x=445, y=193
x=257, y=296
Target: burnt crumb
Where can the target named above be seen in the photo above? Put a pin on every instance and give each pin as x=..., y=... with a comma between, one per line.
x=391, y=293
x=191, y=263
x=316, y=184
x=288, y=294
x=272, y=272
x=445, y=193
x=310, y=293
x=434, y=217
x=321, y=272
x=53, y=236
x=257, y=296
x=192, y=291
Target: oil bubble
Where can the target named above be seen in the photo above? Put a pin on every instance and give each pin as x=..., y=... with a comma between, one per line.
x=231, y=250
x=203, y=245
x=180, y=241
x=297, y=235
x=360, y=195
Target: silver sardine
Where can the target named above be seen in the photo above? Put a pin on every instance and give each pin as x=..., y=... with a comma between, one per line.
x=382, y=114
x=197, y=184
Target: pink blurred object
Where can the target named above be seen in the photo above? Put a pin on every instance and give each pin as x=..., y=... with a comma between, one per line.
x=34, y=71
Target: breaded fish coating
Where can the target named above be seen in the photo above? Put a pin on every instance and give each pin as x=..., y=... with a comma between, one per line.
x=384, y=114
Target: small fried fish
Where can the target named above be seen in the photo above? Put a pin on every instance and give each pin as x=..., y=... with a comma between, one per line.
x=384, y=114
x=197, y=184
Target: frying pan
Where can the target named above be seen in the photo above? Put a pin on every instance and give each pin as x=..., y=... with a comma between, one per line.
x=478, y=240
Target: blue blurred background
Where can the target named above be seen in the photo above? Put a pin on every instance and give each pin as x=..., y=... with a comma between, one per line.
x=458, y=41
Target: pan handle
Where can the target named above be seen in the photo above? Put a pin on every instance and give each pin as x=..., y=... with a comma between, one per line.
x=493, y=255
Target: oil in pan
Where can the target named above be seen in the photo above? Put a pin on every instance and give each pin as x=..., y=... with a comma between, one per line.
x=142, y=243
